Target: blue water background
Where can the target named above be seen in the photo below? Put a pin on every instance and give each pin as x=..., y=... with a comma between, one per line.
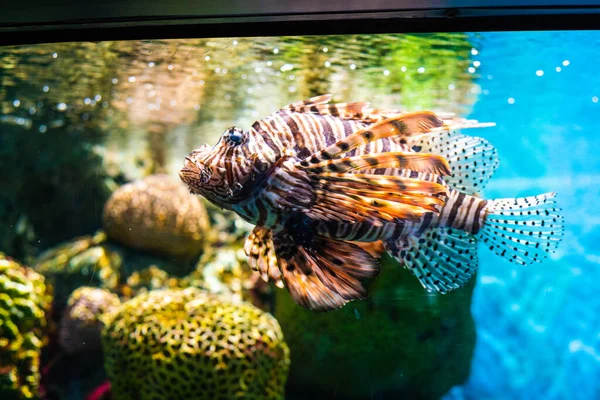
x=538, y=326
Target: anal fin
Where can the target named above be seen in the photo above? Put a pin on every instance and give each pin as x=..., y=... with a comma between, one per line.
x=442, y=259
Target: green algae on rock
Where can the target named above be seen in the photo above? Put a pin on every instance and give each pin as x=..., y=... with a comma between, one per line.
x=225, y=270
x=401, y=342
x=23, y=304
x=87, y=310
x=94, y=261
x=83, y=261
x=186, y=343
x=159, y=215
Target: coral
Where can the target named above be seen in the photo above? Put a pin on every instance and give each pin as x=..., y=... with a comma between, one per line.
x=159, y=215
x=23, y=304
x=83, y=261
x=401, y=342
x=83, y=319
x=186, y=343
x=95, y=261
x=225, y=271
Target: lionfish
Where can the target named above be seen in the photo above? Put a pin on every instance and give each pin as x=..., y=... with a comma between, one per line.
x=330, y=187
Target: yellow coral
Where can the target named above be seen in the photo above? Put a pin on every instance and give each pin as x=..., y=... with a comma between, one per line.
x=79, y=262
x=23, y=303
x=186, y=343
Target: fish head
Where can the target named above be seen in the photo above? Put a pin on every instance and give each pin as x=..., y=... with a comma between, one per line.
x=224, y=173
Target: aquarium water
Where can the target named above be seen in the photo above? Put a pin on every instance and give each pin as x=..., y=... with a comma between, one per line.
x=116, y=282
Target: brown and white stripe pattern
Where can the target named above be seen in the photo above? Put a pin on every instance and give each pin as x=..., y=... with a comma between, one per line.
x=306, y=134
x=461, y=211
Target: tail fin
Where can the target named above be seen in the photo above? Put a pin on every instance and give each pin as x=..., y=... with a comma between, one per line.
x=523, y=230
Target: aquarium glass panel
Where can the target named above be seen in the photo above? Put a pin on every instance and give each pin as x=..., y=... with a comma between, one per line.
x=374, y=216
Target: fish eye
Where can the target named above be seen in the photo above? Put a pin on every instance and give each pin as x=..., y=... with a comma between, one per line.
x=235, y=136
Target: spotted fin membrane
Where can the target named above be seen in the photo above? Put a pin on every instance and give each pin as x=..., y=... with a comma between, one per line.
x=442, y=259
x=472, y=160
x=522, y=230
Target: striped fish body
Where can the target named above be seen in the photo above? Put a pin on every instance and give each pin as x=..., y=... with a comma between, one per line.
x=461, y=211
x=308, y=133
x=291, y=136
x=322, y=181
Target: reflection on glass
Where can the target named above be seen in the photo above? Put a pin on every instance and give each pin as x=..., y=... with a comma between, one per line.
x=116, y=281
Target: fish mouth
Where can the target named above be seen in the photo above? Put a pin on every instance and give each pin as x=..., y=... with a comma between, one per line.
x=190, y=171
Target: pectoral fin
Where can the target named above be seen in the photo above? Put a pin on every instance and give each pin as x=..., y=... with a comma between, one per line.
x=323, y=274
x=374, y=198
x=261, y=255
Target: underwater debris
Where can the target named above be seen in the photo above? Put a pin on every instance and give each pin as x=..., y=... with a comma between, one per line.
x=187, y=343
x=23, y=305
x=86, y=314
x=157, y=214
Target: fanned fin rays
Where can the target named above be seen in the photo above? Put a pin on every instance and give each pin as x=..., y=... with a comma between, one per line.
x=261, y=255
x=400, y=125
x=321, y=99
x=373, y=198
x=348, y=196
x=341, y=195
x=323, y=274
x=419, y=162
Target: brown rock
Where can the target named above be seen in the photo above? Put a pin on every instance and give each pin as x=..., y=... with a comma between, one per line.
x=159, y=215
